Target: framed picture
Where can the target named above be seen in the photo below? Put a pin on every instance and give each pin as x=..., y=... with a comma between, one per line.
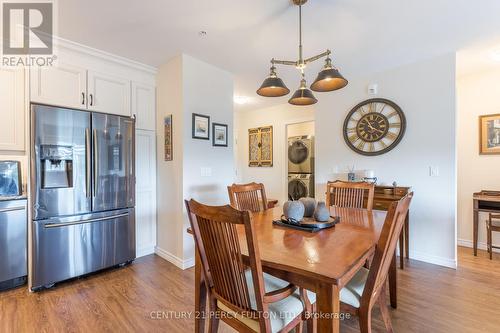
x=260, y=147
x=169, y=148
x=201, y=127
x=489, y=134
x=219, y=135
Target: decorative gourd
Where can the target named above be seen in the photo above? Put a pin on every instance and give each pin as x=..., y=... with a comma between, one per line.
x=322, y=213
x=309, y=206
x=293, y=210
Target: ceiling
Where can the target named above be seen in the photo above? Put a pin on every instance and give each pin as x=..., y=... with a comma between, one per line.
x=242, y=36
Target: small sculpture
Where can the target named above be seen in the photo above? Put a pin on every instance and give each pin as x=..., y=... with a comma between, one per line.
x=322, y=213
x=309, y=206
x=294, y=210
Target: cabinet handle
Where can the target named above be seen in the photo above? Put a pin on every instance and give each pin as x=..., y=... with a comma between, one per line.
x=83, y=98
x=91, y=100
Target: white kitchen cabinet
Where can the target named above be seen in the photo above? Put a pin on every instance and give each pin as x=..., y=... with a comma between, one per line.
x=108, y=93
x=12, y=109
x=145, y=203
x=62, y=85
x=144, y=105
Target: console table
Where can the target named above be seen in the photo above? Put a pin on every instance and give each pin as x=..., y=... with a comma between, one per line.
x=486, y=202
x=383, y=197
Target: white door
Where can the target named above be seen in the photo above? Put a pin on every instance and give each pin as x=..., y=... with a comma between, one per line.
x=145, y=196
x=143, y=106
x=108, y=93
x=62, y=85
x=12, y=109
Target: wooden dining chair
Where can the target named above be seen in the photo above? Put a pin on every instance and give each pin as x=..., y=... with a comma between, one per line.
x=492, y=226
x=350, y=194
x=245, y=298
x=250, y=197
x=368, y=286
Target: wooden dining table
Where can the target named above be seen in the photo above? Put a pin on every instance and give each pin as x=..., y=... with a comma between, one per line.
x=322, y=262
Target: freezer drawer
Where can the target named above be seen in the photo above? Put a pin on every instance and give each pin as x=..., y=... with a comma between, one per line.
x=69, y=247
x=13, y=241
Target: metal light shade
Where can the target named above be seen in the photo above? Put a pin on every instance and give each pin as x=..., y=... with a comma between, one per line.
x=329, y=79
x=273, y=87
x=303, y=96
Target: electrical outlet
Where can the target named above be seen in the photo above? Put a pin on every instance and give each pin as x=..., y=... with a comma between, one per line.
x=434, y=171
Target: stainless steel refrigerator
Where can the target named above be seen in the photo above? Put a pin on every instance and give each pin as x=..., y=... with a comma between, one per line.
x=83, y=193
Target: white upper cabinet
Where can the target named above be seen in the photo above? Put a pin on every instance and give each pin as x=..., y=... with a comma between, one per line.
x=12, y=109
x=143, y=105
x=108, y=93
x=62, y=85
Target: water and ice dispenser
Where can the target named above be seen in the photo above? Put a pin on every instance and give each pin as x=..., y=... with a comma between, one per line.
x=57, y=166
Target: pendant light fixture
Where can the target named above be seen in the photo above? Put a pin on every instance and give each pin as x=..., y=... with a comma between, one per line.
x=303, y=96
x=329, y=79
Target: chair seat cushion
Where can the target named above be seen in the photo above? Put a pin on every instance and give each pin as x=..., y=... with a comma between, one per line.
x=280, y=313
x=352, y=292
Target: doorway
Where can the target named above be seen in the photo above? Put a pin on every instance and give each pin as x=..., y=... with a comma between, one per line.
x=300, y=160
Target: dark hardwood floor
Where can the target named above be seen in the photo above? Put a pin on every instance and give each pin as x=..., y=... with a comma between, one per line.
x=152, y=295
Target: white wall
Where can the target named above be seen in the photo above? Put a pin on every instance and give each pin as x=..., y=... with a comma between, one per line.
x=300, y=129
x=185, y=86
x=207, y=90
x=275, y=177
x=169, y=190
x=426, y=93
x=477, y=94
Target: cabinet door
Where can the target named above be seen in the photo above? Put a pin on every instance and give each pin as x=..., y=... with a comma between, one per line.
x=145, y=204
x=108, y=93
x=143, y=106
x=62, y=85
x=12, y=109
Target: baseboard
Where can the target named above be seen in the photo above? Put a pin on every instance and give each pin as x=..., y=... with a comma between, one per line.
x=480, y=245
x=431, y=259
x=145, y=250
x=182, y=264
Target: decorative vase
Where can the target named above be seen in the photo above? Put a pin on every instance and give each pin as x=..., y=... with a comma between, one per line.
x=309, y=206
x=322, y=213
x=293, y=210
x=351, y=176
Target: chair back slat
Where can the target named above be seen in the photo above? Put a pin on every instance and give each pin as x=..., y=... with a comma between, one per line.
x=216, y=236
x=386, y=247
x=215, y=231
x=250, y=197
x=349, y=194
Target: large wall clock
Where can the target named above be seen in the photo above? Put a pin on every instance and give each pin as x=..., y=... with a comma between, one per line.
x=374, y=127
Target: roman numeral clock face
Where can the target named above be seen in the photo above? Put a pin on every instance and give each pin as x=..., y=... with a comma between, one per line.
x=374, y=127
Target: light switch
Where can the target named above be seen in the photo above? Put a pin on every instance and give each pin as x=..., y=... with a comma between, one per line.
x=434, y=171
x=205, y=172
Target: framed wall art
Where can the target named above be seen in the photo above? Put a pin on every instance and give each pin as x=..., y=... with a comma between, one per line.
x=219, y=135
x=489, y=134
x=260, y=147
x=169, y=148
x=201, y=127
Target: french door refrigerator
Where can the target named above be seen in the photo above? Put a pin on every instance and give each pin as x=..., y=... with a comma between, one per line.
x=83, y=193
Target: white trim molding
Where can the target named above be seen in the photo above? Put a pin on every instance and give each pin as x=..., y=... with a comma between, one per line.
x=145, y=250
x=68, y=44
x=480, y=245
x=182, y=264
x=432, y=259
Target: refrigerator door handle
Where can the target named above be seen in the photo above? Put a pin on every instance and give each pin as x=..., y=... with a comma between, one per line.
x=96, y=162
x=100, y=219
x=12, y=209
x=88, y=162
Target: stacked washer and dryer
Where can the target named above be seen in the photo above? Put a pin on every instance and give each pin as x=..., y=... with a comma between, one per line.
x=300, y=167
